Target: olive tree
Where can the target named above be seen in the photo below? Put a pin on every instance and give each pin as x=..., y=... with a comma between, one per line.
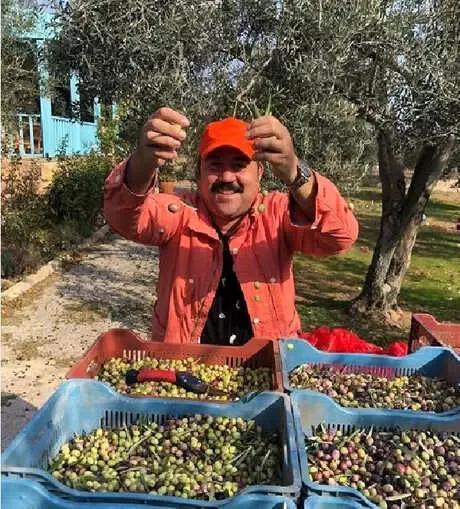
x=19, y=77
x=397, y=64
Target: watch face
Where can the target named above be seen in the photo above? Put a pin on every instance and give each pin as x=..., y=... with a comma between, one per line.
x=304, y=170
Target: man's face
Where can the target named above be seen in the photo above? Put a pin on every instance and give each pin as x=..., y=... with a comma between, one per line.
x=229, y=182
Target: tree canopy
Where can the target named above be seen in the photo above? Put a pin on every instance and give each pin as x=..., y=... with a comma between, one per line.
x=208, y=59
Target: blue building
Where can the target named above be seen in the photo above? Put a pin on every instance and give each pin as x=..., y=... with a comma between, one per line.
x=49, y=127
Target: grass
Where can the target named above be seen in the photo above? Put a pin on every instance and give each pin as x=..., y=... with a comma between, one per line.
x=12, y=311
x=85, y=312
x=26, y=350
x=325, y=286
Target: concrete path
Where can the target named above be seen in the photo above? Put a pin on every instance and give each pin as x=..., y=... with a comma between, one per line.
x=49, y=328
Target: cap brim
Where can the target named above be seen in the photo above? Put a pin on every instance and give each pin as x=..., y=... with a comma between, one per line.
x=247, y=151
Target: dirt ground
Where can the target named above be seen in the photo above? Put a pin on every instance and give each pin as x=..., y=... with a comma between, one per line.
x=47, y=330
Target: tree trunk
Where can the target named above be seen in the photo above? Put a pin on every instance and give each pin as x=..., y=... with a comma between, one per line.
x=391, y=171
x=400, y=263
x=401, y=218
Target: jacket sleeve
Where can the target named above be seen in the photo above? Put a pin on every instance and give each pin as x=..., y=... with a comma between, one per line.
x=334, y=229
x=148, y=218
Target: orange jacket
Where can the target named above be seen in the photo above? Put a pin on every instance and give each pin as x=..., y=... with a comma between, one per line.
x=191, y=253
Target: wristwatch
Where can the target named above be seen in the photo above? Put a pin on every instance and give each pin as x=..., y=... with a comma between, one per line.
x=303, y=175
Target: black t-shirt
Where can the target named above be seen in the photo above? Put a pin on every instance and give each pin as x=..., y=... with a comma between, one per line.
x=228, y=321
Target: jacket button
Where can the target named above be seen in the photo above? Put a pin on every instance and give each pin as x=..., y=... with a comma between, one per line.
x=272, y=280
x=256, y=321
x=191, y=281
x=172, y=207
x=235, y=250
x=265, y=192
x=161, y=230
x=257, y=298
x=261, y=208
x=256, y=284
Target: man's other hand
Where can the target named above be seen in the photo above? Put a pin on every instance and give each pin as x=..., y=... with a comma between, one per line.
x=273, y=144
x=162, y=136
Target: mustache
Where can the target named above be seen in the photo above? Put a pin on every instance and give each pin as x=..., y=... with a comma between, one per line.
x=226, y=186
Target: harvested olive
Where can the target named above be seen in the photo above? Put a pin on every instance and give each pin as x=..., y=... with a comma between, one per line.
x=198, y=456
x=394, y=469
x=355, y=389
x=232, y=382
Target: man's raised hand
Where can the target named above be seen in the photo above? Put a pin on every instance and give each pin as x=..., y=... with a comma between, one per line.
x=162, y=136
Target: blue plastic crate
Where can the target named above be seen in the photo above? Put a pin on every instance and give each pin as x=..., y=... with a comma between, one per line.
x=24, y=493
x=434, y=362
x=80, y=406
x=311, y=409
x=318, y=502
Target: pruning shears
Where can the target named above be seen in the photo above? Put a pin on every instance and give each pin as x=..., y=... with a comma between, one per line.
x=182, y=379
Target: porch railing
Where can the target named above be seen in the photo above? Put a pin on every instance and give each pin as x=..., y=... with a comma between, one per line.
x=57, y=135
x=30, y=135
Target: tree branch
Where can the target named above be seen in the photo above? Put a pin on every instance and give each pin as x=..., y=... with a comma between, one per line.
x=367, y=114
x=427, y=171
x=253, y=81
x=396, y=67
x=249, y=86
x=388, y=62
x=363, y=110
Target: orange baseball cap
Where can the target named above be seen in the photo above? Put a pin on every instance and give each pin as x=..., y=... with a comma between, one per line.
x=229, y=132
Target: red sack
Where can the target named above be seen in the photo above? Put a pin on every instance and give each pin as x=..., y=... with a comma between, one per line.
x=344, y=341
x=397, y=349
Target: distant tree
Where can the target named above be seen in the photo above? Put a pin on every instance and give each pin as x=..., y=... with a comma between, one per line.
x=20, y=84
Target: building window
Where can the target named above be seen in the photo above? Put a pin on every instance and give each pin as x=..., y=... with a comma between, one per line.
x=86, y=107
x=61, y=103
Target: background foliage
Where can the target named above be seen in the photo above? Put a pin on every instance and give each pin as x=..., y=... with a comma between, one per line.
x=209, y=60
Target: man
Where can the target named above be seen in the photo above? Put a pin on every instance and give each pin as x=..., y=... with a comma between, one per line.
x=226, y=251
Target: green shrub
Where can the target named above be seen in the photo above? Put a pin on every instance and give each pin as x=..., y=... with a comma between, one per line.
x=37, y=226
x=29, y=239
x=28, y=233
x=76, y=191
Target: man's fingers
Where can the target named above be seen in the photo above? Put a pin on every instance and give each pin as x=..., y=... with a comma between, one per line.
x=154, y=139
x=165, y=154
x=162, y=127
x=274, y=158
x=271, y=144
x=265, y=129
x=171, y=116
